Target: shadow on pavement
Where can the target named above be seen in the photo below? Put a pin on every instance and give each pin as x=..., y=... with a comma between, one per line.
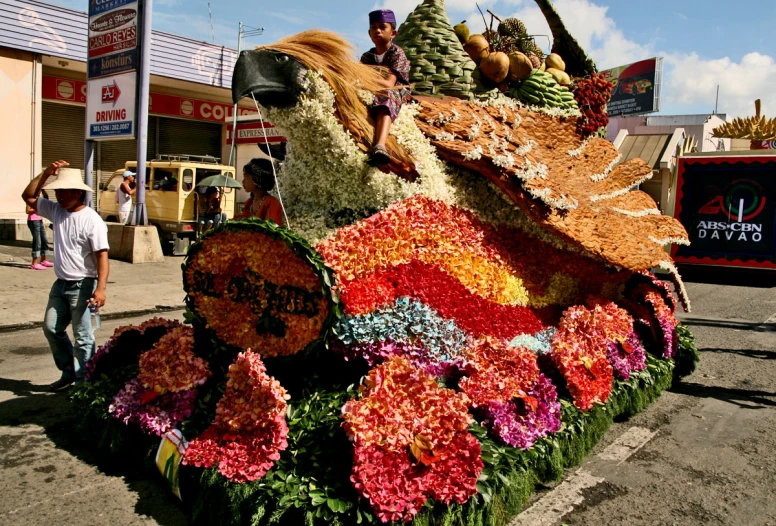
x=740, y=325
x=735, y=277
x=52, y=411
x=748, y=353
x=744, y=398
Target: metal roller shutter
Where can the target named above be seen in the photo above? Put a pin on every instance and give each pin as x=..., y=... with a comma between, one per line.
x=113, y=154
x=178, y=136
x=64, y=128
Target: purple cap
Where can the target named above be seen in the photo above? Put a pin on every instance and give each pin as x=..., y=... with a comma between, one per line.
x=382, y=15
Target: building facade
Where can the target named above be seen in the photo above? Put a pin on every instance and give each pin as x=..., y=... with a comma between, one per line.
x=43, y=58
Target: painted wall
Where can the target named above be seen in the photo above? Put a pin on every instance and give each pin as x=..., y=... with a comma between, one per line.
x=16, y=134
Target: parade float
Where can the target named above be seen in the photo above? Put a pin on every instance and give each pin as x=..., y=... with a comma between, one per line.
x=427, y=342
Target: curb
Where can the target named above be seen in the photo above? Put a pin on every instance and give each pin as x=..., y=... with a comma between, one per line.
x=108, y=316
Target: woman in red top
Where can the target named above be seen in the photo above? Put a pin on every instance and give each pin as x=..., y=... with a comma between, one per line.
x=258, y=180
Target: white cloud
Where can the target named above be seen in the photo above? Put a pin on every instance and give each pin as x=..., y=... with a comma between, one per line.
x=693, y=80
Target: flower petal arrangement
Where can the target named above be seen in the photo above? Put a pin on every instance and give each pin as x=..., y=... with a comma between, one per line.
x=411, y=441
x=171, y=366
x=249, y=430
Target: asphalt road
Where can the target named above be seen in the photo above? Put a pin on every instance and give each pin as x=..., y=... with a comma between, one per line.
x=704, y=453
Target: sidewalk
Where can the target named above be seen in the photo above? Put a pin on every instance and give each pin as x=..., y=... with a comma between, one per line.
x=132, y=289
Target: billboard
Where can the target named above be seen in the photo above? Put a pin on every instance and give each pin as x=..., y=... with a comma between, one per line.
x=728, y=206
x=112, y=69
x=636, y=88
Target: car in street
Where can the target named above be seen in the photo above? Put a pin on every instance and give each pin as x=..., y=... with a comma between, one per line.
x=172, y=196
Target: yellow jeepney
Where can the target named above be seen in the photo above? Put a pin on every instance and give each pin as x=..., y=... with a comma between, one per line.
x=172, y=197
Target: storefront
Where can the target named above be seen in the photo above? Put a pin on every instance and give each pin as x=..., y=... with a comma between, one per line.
x=43, y=75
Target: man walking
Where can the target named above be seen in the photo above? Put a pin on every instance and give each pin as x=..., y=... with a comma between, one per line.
x=81, y=265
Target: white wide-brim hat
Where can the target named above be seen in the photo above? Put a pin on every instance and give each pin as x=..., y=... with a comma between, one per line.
x=68, y=179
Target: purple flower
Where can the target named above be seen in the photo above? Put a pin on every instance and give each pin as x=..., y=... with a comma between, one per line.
x=521, y=422
x=158, y=415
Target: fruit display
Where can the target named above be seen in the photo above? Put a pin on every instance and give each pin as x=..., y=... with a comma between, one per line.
x=592, y=94
x=542, y=89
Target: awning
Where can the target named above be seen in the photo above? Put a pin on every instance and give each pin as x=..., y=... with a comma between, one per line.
x=650, y=148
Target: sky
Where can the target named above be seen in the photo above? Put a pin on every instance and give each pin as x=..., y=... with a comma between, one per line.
x=705, y=43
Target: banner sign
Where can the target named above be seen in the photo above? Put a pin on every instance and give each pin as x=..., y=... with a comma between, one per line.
x=769, y=145
x=75, y=91
x=636, y=88
x=728, y=206
x=112, y=69
x=168, y=458
x=253, y=132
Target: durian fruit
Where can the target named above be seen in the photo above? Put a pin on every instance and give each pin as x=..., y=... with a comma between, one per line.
x=529, y=47
x=512, y=27
x=462, y=32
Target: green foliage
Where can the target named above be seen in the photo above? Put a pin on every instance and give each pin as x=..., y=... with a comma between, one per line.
x=687, y=354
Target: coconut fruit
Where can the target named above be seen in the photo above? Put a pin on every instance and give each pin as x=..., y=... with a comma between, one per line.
x=556, y=74
x=554, y=61
x=477, y=48
x=495, y=66
x=520, y=66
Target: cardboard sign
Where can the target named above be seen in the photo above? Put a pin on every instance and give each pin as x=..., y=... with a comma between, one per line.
x=728, y=206
x=169, y=456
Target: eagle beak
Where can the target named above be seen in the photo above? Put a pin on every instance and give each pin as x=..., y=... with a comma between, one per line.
x=274, y=79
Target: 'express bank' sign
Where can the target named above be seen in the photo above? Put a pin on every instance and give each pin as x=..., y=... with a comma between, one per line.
x=728, y=206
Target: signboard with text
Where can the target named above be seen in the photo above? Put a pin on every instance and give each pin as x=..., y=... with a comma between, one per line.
x=112, y=69
x=254, y=132
x=75, y=91
x=636, y=87
x=728, y=206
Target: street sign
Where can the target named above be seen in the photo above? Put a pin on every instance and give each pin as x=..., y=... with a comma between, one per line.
x=110, y=112
x=112, y=69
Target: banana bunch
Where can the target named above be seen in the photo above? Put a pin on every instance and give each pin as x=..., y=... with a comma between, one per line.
x=541, y=89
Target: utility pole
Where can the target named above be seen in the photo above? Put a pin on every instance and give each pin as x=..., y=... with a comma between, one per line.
x=141, y=214
x=242, y=32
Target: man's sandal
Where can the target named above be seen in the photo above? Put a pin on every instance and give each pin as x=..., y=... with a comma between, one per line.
x=378, y=156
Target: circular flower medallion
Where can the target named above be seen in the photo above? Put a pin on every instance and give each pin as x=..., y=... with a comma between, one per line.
x=259, y=286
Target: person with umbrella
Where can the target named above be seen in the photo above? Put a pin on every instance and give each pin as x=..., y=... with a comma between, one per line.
x=211, y=213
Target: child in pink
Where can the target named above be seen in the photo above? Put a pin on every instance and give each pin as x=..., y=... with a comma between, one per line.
x=40, y=246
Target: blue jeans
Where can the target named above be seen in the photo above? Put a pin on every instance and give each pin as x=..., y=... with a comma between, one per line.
x=39, y=240
x=68, y=302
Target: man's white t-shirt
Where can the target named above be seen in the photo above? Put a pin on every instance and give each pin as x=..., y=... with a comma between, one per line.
x=77, y=236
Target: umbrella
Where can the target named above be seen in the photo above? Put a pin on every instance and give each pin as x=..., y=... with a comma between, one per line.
x=221, y=181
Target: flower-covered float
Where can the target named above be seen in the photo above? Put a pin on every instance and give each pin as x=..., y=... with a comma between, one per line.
x=425, y=343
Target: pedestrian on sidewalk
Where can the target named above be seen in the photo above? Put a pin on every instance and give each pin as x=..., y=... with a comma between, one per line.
x=124, y=196
x=40, y=245
x=81, y=267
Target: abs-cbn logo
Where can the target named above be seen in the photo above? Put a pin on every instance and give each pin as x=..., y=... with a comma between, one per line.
x=740, y=204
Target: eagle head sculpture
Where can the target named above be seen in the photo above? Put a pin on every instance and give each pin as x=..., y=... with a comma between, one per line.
x=576, y=189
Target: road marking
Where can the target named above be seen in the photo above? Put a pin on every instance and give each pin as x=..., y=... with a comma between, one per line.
x=548, y=510
x=627, y=444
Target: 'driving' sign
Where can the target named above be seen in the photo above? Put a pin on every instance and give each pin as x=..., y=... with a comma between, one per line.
x=112, y=69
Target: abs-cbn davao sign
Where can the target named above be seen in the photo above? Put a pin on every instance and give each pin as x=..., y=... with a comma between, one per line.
x=636, y=88
x=728, y=206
